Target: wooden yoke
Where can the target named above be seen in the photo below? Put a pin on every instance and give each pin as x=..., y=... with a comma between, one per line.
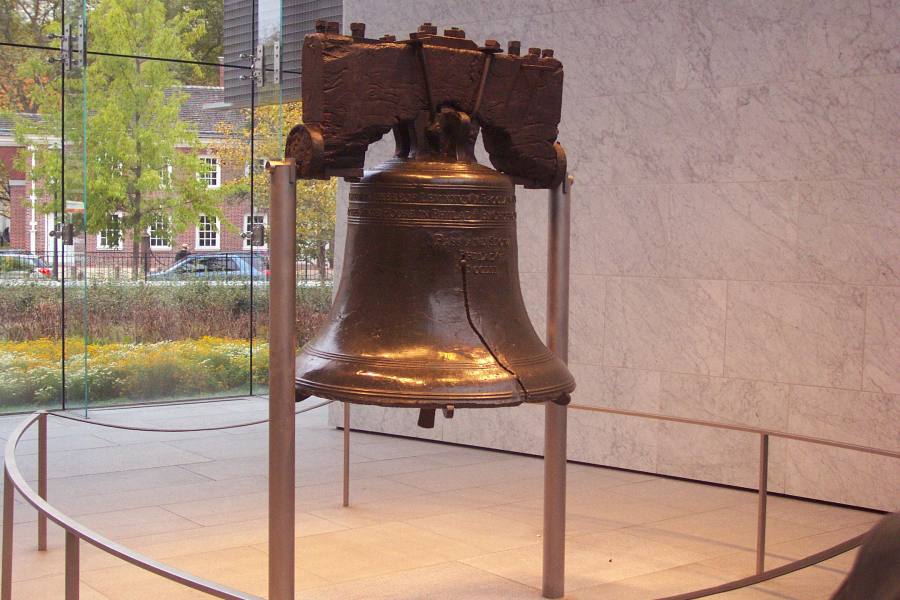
x=357, y=89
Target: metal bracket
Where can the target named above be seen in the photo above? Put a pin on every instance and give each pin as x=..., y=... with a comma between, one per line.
x=77, y=45
x=276, y=61
x=65, y=48
x=71, y=46
x=258, y=69
x=256, y=235
x=65, y=232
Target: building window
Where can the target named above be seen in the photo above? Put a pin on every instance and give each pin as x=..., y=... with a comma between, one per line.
x=249, y=222
x=110, y=237
x=259, y=166
x=165, y=177
x=160, y=237
x=211, y=174
x=208, y=233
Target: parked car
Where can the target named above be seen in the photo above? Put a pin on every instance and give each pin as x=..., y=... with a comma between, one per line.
x=19, y=264
x=217, y=266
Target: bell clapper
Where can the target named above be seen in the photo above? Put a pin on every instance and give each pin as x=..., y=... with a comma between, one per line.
x=426, y=418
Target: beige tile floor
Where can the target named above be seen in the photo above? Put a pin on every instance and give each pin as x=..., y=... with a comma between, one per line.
x=427, y=520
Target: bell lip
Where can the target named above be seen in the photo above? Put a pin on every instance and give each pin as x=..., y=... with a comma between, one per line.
x=435, y=400
x=311, y=352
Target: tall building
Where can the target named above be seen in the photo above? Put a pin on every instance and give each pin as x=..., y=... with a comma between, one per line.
x=248, y=24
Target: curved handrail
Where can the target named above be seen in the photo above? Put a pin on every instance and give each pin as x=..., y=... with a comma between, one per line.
x=185, y=430
x=764, y=433
x=13, y=479
x=744, y=428
x=808, y=561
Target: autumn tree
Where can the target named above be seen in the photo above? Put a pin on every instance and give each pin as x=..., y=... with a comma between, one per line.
x=315, y=199
x=22, y=22
x=142, y=161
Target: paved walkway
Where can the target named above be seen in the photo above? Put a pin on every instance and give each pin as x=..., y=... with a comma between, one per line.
x=427, y=520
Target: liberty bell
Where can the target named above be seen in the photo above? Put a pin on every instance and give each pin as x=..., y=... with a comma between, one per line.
x=428, y=311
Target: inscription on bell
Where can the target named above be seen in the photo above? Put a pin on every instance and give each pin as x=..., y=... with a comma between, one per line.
x=364, y=212
x=432, y=197
x=482, y=253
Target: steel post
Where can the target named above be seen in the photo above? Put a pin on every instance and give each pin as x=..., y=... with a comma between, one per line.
x=8, y=505
x=346, y=454
x=42, y=479
x=761, y=508
x=554, y=567
x=282, y=313
x=73, y=567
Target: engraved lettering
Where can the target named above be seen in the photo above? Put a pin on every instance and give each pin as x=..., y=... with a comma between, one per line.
x=432, y=197
x=483, y=253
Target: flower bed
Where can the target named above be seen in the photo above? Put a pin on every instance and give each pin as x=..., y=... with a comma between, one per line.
x=31, y=375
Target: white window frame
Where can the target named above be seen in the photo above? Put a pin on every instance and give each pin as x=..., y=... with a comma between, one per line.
x=265, y=223
x=203, y=176
x=49, y=226
x=101, y=245
x=165, y=177
x=167, y=224
x=218, y=232
x=260, y=166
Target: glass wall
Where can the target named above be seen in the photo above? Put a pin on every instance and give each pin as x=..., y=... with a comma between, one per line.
x=133, y=140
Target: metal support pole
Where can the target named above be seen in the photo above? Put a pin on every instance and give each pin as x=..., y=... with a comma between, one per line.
x=72, y=566
x=42, y=479
x=346, y=454
x=282, y=313
x=761, y=509
x=555, y=423
x=8, y=505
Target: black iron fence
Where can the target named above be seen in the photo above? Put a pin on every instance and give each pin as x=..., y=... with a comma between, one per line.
x=150, y=265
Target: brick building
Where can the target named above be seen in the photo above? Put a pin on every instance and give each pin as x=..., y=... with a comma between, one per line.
x=204, y=109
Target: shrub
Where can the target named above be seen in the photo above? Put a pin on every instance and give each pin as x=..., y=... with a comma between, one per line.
x=137, y=313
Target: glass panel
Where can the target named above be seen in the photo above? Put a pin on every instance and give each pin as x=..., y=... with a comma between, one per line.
x=29, y=23
x=184, y=30
x=74, y=268
x=30, y=266
x=275, y=109
x=167, y=274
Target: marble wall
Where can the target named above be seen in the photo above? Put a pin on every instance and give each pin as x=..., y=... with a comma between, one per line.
x=736, y=233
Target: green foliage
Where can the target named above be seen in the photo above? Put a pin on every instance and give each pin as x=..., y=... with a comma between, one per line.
x=13, y=263
x=316, y=199
x=207, y=47
x=141, y=159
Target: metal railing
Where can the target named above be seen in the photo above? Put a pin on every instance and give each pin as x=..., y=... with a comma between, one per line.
x=761, y=574
x=75, y=532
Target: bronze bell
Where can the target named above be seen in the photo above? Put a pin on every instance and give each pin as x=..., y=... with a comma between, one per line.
x=428, y=311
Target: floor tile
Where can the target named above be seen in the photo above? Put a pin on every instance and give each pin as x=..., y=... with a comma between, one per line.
x=377, y=550
x=446, y=581
x=426, y=520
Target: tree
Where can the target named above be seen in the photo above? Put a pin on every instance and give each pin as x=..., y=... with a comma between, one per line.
x=5, y=200
x=315, y=199
x=22, y=22
x=5, y=190
x=207, y=47
x=142, y=161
